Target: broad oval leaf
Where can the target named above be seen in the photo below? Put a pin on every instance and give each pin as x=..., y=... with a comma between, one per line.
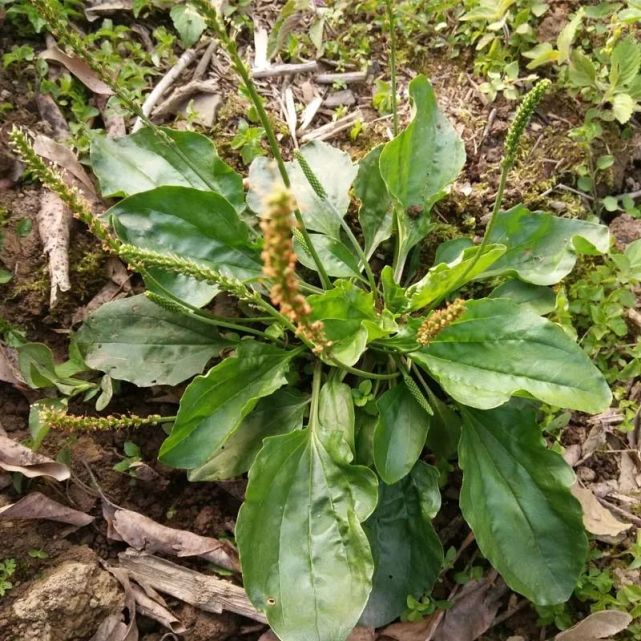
x=375, y=213
x=420, y=163
x=135, y=340
x=336, y=411
x=497, y=348
x=306, y=560
x=338, y=259
x=400, y=433
x=280, y=413
x=542, y=248
x=407, y=552
x=516, y=498
x=148, y=159
x=192, y=224
x=214, y=405
x=350, y=320
x=333, y=168
x=444, y=277
x=541, y=300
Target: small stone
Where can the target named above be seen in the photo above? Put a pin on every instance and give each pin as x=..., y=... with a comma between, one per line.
x=585, y=473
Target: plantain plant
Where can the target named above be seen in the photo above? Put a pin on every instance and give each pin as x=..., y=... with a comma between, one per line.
x=336, y=381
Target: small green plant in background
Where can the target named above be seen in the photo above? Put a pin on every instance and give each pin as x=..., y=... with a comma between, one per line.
x=7, y=570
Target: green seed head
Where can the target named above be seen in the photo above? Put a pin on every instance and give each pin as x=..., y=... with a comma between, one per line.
x=521, y=120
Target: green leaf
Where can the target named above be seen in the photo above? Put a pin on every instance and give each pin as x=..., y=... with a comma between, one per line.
x=542, y=248
x=407, y=552
x=333, y=168
x=442, y=278
x=5, y=276
x=40, y=371
x=145, y=160
x=193, y=224
x=375, y=213
x=516, y=498
x=541, y=300
x=582, y=72
x=280, y=413
x=625, y=62
x=188, y=23
x=420, y=163
x=497, y=348
x=336, y=411
x=214, y=405
x=400, y=433
x=394, y=295
x=445, y=429
x=350, y=320
x=306, y=560
x=567, y=35
x=541, y=54
x=338, y=259
x=135, y=340
x=623, y=106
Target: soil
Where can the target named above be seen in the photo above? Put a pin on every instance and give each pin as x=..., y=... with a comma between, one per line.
x=65, y=593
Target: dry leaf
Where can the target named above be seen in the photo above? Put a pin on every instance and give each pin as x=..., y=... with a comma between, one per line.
x=473, y=610
x=66, y=159
x=54, y=222
x=415, y=631
x=114, y=628
x=597, y=519
x=599, y=625
x=78, y=68
x=628, y=474
x=156, y=609
x=596, y=439
x=9, y=368
x=39, y=506
x=52, y=115
x=361, y=633
x=18, y=458
x=143, y=533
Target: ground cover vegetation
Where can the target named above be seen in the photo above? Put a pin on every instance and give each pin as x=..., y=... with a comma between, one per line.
x=355, y=382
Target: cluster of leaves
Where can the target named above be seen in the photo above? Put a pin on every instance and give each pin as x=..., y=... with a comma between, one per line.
x=601, y=298
x=333, y=383
x=7, y=570
x=336, y=526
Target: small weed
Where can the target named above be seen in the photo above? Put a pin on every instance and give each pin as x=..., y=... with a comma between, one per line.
x=7, y=570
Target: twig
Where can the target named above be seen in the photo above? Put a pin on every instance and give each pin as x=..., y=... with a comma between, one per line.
x=165, y=82
x=203, y=63
x=332, y=128
x=284, y=70
x=347, y=78
x=620, y=511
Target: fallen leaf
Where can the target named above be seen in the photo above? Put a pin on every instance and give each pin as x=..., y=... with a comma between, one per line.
x=39, y=506
x=597, y=519
x=5, y=480
x=473, y=610
x=599, y=625
x=78, y=68
x=66, y=159
x=52, y=115
x=114, y=628
x=414, y=631
x=361, y=633
x=628, y=474
x=18, y=458
x=143, y=533
x=155, y=608
x=9, y=368
x=596, y=439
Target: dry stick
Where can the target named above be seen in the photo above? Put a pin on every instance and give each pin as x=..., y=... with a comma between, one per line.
x=165, y=82
x=347, y=78
x=632, y=518
x=284, y=70
x=200, y=590
x=332, y=128
x=204, y=62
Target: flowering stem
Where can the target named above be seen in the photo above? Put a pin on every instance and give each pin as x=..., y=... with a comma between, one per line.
x=392, y=38
x=213, y=20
